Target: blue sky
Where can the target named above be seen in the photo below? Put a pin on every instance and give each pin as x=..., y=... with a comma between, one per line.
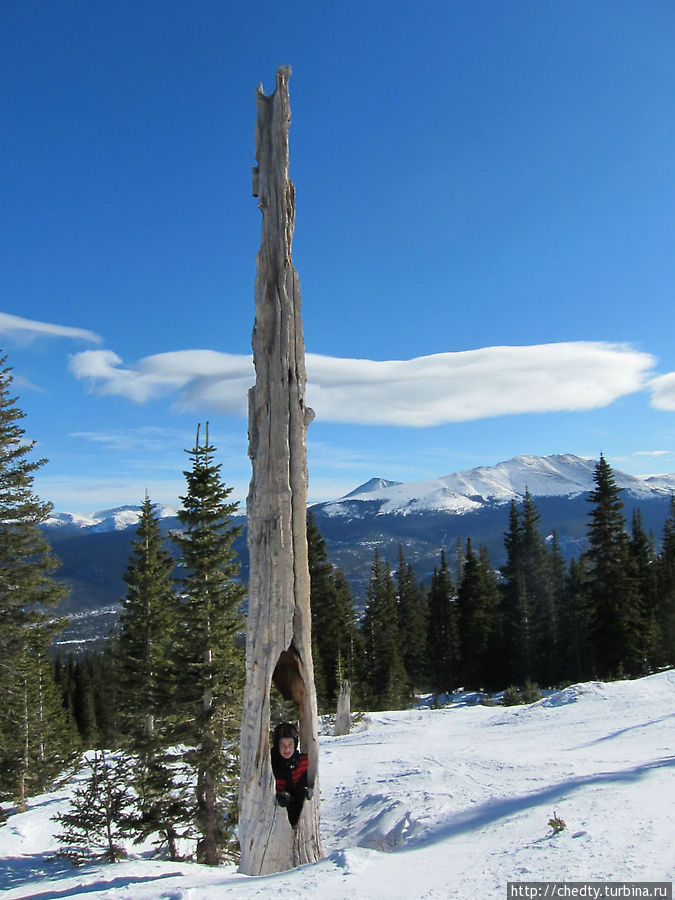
x=485, y=201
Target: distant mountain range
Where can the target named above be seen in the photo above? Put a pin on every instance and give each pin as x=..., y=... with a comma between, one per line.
x=562, y=475
x=424, y=517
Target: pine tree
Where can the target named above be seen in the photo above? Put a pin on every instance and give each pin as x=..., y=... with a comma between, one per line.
x=615, y=629
x=212, y=662
x=574, y=622
x=144, y=661
x=26, y=590
x=106, y=701
x=350, y=660
x=559, y=586
x=491, y=619
x=539, y=584
x=322, y=603
x=147, y=629
x=64, y=676
x=516, y=614
x=477, y=613
x=387, y=684
x=163, y=804
x=528, y=607
x=644, y=583
x=666, y=592
x=96, y=824
x=38, y=735
x=413, y=615
x=442, y=638
x=85, y=701
x=334, y=632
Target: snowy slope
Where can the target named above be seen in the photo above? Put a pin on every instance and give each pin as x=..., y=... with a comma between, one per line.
x=560, y=475
x=448, y=803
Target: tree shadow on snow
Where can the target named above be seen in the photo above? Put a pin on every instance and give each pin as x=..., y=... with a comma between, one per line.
x=18, y=870
x=15, y=870
x=494, y=810
x=615, y=734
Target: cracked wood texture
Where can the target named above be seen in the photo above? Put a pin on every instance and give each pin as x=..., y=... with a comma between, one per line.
x=278, y=642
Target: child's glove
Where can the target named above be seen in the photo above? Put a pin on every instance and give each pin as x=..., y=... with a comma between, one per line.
x=283, y=798
x=309, y=792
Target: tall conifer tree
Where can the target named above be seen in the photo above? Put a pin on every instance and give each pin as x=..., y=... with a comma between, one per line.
x=537, y=563
x=413, y=615
x=614, y=626
x=213, y=663
x=334, y=632
x=147, y=629
x=644, y=583
x=350, y=659
x=32, y=720
x=516, y=604
x=559, y=584
x=442, y=637
x=144, y=651
x=477, y=613
x=666, y=589
x=387, y=682
x=574, y=622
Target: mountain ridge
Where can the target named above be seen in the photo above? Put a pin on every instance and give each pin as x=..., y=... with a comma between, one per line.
x=555, y=475
x=423, y=517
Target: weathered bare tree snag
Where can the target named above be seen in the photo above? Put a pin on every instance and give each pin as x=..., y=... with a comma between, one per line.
x=343, y=719
x=278, y=645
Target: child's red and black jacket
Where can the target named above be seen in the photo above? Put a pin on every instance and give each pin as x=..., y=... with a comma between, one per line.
x=290, y=774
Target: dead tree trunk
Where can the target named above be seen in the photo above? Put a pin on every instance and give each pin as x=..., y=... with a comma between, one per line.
x=278, y=645
x=343, y=719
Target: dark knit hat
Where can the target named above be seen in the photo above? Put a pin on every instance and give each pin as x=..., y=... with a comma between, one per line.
x=285, y=730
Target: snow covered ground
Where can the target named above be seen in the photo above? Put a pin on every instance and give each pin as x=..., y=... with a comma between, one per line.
x=448, y=803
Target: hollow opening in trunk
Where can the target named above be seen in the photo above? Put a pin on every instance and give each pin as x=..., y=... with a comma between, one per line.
x=290, y=772
x=289, y=678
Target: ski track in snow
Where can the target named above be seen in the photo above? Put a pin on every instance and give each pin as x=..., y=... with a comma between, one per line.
x=435, y=803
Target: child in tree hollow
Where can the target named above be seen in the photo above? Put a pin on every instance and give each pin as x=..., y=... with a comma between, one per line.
x=290, y=771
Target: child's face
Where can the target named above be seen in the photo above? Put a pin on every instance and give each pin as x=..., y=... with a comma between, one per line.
x=286, y=747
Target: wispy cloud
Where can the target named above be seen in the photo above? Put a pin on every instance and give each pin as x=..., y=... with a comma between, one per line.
x=157, y=442
x=420, y=392
x=28, y=329
x=164, y=445
x=663, y=392
x=24, y=384
x=653, y=453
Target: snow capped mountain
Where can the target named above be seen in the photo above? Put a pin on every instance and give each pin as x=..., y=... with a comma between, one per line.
x=375, y=484
x=118, y=519
x=559, y=475
x=424, y=517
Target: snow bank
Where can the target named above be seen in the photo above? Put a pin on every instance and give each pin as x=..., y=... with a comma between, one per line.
x=437, y=803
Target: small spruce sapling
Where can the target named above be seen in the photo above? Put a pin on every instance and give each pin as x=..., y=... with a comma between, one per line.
x=96, y=824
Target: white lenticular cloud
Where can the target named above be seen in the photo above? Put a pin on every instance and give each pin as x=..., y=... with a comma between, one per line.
x=420, y=392
x=198, y=378
x=475, y=384
x=28, y=329
x=103, y=369
x=663, y=392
